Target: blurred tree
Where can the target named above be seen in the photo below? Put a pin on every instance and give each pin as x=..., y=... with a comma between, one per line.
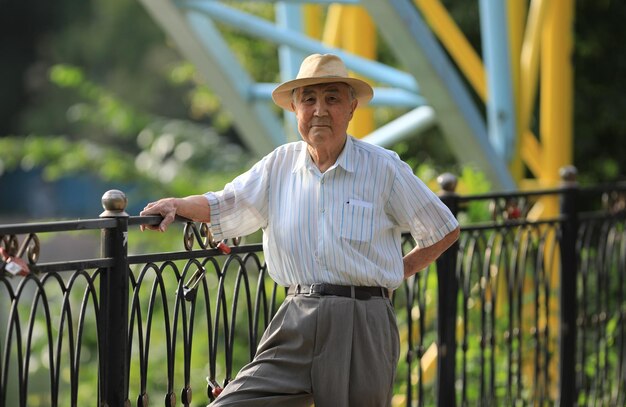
x=24, y=28
x=103, y=92
x=600, y=89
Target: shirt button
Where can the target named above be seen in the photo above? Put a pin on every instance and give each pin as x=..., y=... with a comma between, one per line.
x=323, y=210
x=322, y=181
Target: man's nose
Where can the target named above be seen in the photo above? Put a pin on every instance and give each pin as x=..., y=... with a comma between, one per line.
x=320, y=108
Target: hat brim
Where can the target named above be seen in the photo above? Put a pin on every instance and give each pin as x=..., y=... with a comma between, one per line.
x=282, y=95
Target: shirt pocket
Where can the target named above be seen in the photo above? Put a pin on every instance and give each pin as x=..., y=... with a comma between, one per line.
x=357, y=220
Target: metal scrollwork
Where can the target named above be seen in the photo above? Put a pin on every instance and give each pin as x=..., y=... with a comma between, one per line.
x=188, y=236
x=10, y=244
x=207, y=237
x=32, y=243
x=614, y=202
x=508, y=208
x=12, y=253
x=202, y=234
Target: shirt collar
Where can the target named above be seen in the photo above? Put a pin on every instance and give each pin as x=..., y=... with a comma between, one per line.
x=345, y=159
x=304, y=160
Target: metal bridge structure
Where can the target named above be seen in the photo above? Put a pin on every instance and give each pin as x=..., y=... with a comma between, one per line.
x=507, y=112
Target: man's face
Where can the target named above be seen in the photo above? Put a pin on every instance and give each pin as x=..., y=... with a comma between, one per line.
x=323, y=112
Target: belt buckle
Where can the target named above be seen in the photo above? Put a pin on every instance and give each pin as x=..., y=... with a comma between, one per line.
x=310, y=293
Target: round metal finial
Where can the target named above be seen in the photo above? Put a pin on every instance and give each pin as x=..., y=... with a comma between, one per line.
x=568, y=174
x=447, y=182
x=114, y=203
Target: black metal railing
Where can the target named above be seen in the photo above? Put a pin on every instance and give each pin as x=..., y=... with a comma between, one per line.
x=523, y=309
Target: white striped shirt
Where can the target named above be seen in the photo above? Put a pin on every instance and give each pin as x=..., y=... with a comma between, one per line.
x=339, y=227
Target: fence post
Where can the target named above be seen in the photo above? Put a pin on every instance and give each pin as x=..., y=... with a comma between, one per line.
x=568, y=302
x=448, y=288
x=113, y=319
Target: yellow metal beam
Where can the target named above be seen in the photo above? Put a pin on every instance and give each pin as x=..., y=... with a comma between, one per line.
x=529, y=69
x=531, y=152
x=332, y=29
x=359, y=37
x=455, y=42
x=556, y=89
x=428, y=364
x=529, y=72
x=556, y=127
x=313, y=20
x=516, y=15
x=529, y=61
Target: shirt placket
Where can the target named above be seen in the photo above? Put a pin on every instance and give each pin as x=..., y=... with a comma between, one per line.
x=322, y=208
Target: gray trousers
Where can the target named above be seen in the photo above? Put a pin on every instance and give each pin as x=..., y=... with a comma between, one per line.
x=331, y=351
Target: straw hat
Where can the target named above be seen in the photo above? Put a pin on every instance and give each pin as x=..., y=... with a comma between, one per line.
x=316, y=69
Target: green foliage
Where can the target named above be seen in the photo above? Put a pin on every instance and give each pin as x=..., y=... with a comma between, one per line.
x=106, y=112
x=471, y=182
x=61, y=157
x=121, y=112
x=121, y=144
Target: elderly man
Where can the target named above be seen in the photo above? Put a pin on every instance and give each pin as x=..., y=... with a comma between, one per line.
x=332, y=209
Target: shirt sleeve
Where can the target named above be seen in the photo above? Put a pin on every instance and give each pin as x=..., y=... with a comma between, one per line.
x=417, y=209
x=241, y=207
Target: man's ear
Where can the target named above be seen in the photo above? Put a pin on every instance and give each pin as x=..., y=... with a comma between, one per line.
x=355, y=103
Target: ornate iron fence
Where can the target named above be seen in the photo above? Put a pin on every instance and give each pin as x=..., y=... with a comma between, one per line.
x=519, y=311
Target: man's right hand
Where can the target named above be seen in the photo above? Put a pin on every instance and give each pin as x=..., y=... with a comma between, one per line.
x=194, y=207
x=165, y=207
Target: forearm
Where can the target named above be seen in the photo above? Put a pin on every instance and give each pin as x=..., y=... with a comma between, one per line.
x=194, y=207
x=420, y=257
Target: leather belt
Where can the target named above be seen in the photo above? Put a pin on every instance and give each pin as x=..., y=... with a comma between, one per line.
x=350, y=291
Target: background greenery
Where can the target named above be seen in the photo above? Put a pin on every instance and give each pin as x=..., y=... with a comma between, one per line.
x=94, y=87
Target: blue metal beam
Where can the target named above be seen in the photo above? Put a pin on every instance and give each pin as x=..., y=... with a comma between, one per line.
x=414, y=44
x=383, y=97
x=406, y=126
x=264, y=29
x=289, y=17
x=496, y=54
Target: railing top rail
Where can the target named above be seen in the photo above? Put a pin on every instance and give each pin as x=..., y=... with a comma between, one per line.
x=509, y=194
x=510, y=223
x=607, y=187
x=620, y=186
x=58, y=226
x=149, y=220
x=76, y=225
